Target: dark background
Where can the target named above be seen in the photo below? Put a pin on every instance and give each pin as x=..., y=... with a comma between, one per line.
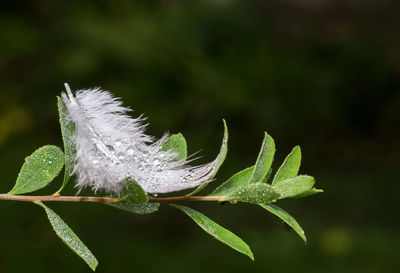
x=323, y=74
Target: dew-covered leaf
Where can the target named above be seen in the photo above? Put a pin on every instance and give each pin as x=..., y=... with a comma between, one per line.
x=145, y=208
x=218, y=161
x=290, y=167
x=254, y=193
x=309, y=193
x=198, y=189
x=67, y=132
x=267, y=176
x=218, y=232
x=286, y=217
x=232, y=184
x=39, y=169
x=294, y=186
x=69, y=237
x=177, y=144
x=264, y=159
x=132, y=192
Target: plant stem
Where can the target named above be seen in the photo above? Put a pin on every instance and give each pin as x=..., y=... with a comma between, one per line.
x=186, y=198
x=58, y=198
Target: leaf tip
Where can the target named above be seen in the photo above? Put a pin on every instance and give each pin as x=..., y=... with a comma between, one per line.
x=303, y=236
x=224, y=122
x=94, y=267
x=251, y=256
x=225, y=130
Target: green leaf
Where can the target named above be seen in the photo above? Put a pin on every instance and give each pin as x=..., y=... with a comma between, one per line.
x=287, y=218
x=69, y=237
x=39, y=169
x=145, y=208
x=132, y=192
x=264, y=159
x=232, y=184
x=177, y=144
x=254, y=193
x=68, y=133
x=267, y=176
x=309, y=193
x=294, y=186
x=221, y=234
x=220, y=159
x=198, y=189
x=290, y=167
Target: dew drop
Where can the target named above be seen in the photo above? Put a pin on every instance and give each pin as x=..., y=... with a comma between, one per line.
x=130, y=152
x=117, y=143
x=121, y=156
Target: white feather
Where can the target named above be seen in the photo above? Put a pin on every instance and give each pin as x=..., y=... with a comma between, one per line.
x=112, y=146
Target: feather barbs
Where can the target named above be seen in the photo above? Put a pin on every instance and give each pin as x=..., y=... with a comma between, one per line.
x=112, y=146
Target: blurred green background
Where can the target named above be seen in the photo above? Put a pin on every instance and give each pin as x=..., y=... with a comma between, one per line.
x=323, y=74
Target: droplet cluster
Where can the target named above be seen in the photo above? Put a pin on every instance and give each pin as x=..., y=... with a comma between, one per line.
x=112, y=146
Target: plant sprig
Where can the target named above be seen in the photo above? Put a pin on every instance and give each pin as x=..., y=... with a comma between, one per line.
x=249, y=185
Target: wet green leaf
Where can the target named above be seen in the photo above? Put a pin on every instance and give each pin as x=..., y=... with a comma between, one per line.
x=68, y=133
x=232, y=184
x=267, y=176
x=222, y=234
x=254, y=193
x=290, y=167
x=294, y=186
x=264, y=159
x=132, y=192
x=145, y=208
x=69, y=237
x=39, y=169
x=309, y=193
x=198, y=189
x=286, y=217
x=177, y=144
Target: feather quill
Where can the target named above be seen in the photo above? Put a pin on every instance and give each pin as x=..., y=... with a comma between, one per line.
x=112, y=146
